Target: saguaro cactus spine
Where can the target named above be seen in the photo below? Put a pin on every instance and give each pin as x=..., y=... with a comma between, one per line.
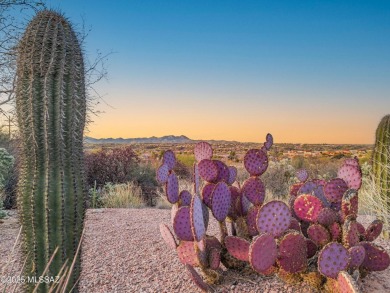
x=51, y=109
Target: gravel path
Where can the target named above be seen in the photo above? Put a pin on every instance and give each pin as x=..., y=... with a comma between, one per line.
x=123, y=252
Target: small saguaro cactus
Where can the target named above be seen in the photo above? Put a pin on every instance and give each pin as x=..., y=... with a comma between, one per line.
x=51, y=110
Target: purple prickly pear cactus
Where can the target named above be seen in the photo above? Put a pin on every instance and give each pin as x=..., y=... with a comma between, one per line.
x=185, y=198
x=351, y=235
x=196, y=217
x=269, y=141
x=346, y=284
x=274, y=217
x=307, y=207
x=352, y=161
x=263, y=253
x=196, y=278
x=335, y=231
x=214, y=258
x=332, y=259
x=203, y=150
x=361, y=229
x=373, y=230
x=335, y=189
x=213, y=242
x=254, y=190
x=311, y=248
x=182, y=224
x=357, y=253
x=251, y=220
x=196, y=179
x=319, y=234
x=307, y=188
x=207, y=193
x=169, y=159
x=295, y=225
x=237, y=247
x=162, y=174
x=242, y=205
x=293, y=253
x=208, y=170
x=232, y=175
x=350, y=204
x=256, y=162
x=302, y=175
x=235, y=194
x=223, y=171
x=168, y=236
x=295, y=188
x=376, y=259
x=352, y=175
x=188, y=254
x=319, y=193
x=172, y=188
x=221, y=200
x=327, y=217
x=206, y=215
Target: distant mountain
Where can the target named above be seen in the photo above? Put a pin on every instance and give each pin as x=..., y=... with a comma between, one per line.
x=153, y=139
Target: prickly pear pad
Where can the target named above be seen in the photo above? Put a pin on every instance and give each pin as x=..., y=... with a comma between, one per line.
x=172, y=188
x=357, y=253
x=274, y=217
x=295, y=225
x=182, y=224
x=346, y=284
x=293, y=253
x=263, y=252
x=374, y=230
x=352, y=175
x=223, y=171
x=214, y=258
x=319, y=234
x=185, y=198
x=169, y=159
x=232, y=175
x=238, y=247
x=197, y=221
x=332, y=259
x=269, y=141
x=187, y=253
x=311, y=248
x=254, y=190
x=307, y=187
x=221, y=200
x=207, y=193
x=196, y=278
x=251, y=220
x=376, y=259
x=168, y=236
x=203, y=150
x=208, y=170
x=302, y=175
x=335, y=189
x=351, y=235
x=327, y=217
x=350, y=204
x=295, y=188
x=196, y=179
x=256, y=162
x=307, y=207
x=162, y=173
x=335, y=231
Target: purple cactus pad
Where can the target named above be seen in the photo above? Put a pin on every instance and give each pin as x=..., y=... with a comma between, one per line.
x=214, y=258
x=319, y=234
x=263, y=252
x=361, y=229
x=350, y=204
x=307, y=207
x=203, y=150
x=335, y=189
x=196, y=179
x=307, y=188
x=169, y=159
x=335, y=231
x=254, y=190
x=302, y=175
x=352, y=175
x=256, y=162
x=237, y=247
x=185, y=198
x=269, y=141
x=196, y=216
x=208, y=170
x=196, y=278
x=232, y=175
x=206, y=215
x=376, y=259
x=351, y=235
x=274, y=217
x=207, y=193
x=212, y=242
x=168, y=236
x=295, y=225
x=162, y=174
x=182, y=224
x=373, y=230
x=357, y=253
x=332, y=259
x=172, y=188
x=352, y=161
x=223, y=171
x=293, y=253
x=251, y=220
x=221, y=200
x=311, y=248
x=327, y=217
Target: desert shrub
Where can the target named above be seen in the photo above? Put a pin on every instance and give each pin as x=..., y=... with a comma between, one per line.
x=8, y=179
x=127, y=195
x=144, y=176
x=324, y=168
x=278, y=178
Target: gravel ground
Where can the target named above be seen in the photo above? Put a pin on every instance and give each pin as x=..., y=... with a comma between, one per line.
x=124, y=252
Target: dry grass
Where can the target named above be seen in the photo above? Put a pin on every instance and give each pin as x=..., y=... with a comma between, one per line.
x=127, y=195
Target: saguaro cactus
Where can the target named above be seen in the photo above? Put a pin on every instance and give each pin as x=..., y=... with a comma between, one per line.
x=51, y=109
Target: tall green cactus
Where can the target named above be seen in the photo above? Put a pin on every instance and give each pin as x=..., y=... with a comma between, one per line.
x=381, y=158
x=51, y=110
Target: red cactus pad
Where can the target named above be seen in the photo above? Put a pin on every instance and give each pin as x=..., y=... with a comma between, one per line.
x=169, y=159
x=327, y=217
x=203, y=150
x=251, y=218
x=221, y=200
x=214, y=258
x=256, y=162
x=185, y=198
x=335, y=189
x=376, y=259
x=269, y=141
x=332, y=259
x=357, y=253
x=307, y=207
x=254, y=190
x=319, y=234
x=162, y=174
x=263, y=252
x=172, y=188
x=207, y=193
x=274, y=217
x=232, y=175
x=197, y=220
x=302, y=175
x=294, y=225
x=311, y=248
x=351, y=235
x=208, y=170
x=352, y=175
x=335, y=231
x=182, y=224
x=168, y=236
x=223, y=171
x=374, y=230
x=346, y=284
x=350, y=204
x=196, y=278
x=361, y=229
x=187, y=253
x=294, y=189
x=293, y=253
x=237, y=247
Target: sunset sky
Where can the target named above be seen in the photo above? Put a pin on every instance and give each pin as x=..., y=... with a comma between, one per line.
x=306, y=71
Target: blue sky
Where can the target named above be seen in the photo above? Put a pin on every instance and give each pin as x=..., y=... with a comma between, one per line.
x=306, y=71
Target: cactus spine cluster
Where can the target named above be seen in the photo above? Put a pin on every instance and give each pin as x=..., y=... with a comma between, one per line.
x=51, y=111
